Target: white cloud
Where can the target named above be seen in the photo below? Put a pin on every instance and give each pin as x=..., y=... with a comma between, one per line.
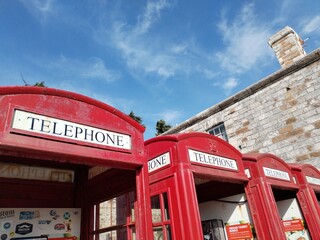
x=140, y=53
x=150, y=15
x=92, y=68
x=246, y=41
x=230, y=84
x=96, y=69
x=179, y=48
x=208, y=73
x=43, y=6
x=122, y=104
x=40, y=9
x=54, y=13
x=227, y=85
x=311, y=25
x=146, y=53
x=169, y=115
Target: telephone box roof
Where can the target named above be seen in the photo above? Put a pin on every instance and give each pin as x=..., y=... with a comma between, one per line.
x=52, y=124
x=12, y=90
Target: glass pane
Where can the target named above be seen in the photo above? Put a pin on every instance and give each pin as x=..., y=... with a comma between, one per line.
x=219, y=131
x=132, y=201
x=107, y=213
x=108, y=235
x=158, y=233
x=155, y=208
x=168, y=228
x=121, y=217
x=133, y=233
x=166, y=206
x=94, y=217
x=113, y=212
x=120, y=234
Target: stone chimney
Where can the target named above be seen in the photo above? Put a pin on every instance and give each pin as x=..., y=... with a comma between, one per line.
x=287, y=46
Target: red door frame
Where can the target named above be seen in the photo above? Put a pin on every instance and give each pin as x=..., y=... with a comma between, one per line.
x=264, y=210
x=52, y=123
x=178, y=169
x=308, y=179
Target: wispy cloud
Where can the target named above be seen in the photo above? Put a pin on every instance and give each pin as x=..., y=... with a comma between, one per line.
x=93, y=68
x=41, y=9
x=311, y=25
x=150, y=56
x=96, y=69
x=43, y=6
x=150, y=15
x=207, y=73
x=141, y=51
x=169, y=115
x=54, y=13
x=229, y=85
x=140, y=56
x=245, y=40
x=123, y=104
x=180, y=48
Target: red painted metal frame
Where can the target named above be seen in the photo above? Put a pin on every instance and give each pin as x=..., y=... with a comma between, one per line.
x=306, y=196
x=264, y=211
x=178, y=177
x=70, y=107
x=83, y=110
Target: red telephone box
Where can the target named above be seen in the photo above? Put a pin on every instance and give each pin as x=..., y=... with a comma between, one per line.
x=308, y=179
x=272, y=195
x=197, y=188
x=70, y=163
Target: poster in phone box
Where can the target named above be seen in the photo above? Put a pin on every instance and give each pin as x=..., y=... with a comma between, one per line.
x=20, y=223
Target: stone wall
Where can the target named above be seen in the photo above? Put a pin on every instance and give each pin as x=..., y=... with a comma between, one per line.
x=279, y=114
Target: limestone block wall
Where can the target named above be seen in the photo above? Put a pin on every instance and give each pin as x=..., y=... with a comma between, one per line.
x=279, y=114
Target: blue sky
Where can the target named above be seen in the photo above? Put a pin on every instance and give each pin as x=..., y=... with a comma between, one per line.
x=161, y=59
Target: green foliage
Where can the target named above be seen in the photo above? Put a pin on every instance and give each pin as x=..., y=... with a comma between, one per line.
x=135, y=117
x=40, y=84
x=162, y=127
x=37, y=84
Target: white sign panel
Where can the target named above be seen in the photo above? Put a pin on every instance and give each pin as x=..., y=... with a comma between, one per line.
x=159, y=162
x=312, y=180
x=64, y=129
x=212, y=160
x=274, y=173
x=247, y=172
